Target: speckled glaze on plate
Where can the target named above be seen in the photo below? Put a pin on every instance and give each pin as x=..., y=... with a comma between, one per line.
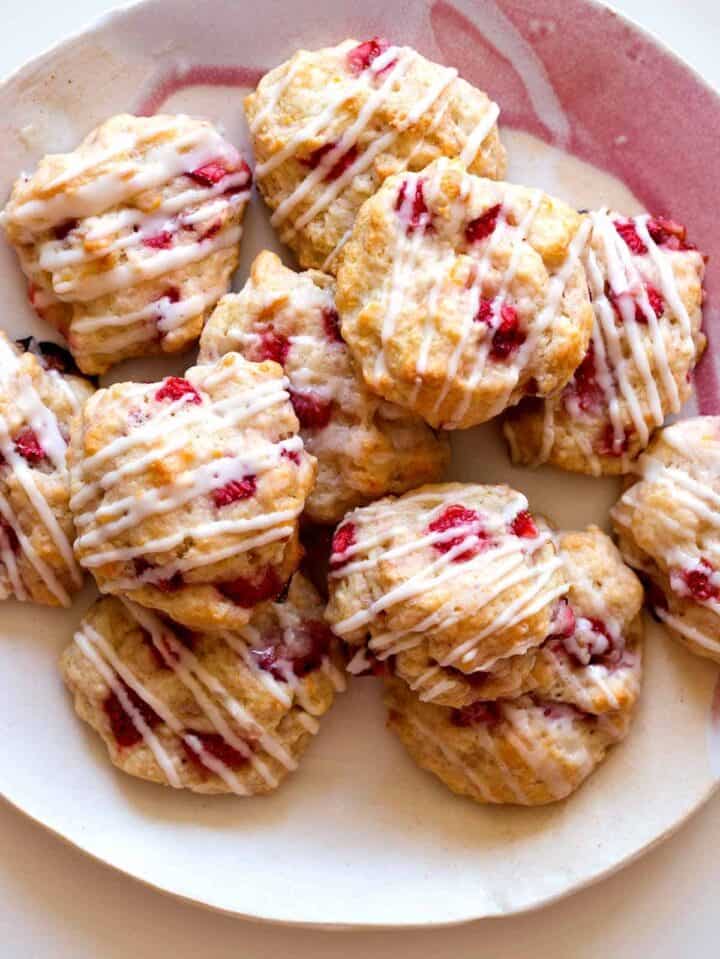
x=360, y=837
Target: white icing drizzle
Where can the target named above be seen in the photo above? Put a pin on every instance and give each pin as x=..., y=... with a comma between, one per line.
x=406, y=263
x=384, y=76
x=177, y=232
x=151, y=442
x=42, y=421
x=498, y=568
x=621, y=350
x=229, y=719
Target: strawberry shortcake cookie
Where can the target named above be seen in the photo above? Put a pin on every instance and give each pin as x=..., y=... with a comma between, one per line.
x=130, y=240
x=329, y=126
x=645, y=281
x=187, y=493
x=365, y=446
x=459, y=295
x=228, y=712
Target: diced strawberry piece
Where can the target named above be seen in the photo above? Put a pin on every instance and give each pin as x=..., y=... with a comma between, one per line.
x=477, y=714
x=584, y=386
x=159, y=241
x=292, y=455
x=28, y=446
x=524, y=525
x=508, y=337
x=455, y=516
x=301, y=649
x=315, y=158
x=273, y=346
x=214, y=745
x=248, y=592
x=312, y=410
x=483, y=226
x=628, y=231
x=669, y=234
x=234, y=490
x=657, y=303
x=331, y=324
x=209, y=173
x=211, y=231
x=411, y=206
x=175, y=387
x=344, y=538
x=697, y=582
x=123, y=728
x=485, y=312
x=364, y=54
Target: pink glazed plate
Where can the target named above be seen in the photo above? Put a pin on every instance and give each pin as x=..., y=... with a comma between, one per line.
x=594, y=110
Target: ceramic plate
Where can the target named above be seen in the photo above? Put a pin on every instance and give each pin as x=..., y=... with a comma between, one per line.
x=361, y=837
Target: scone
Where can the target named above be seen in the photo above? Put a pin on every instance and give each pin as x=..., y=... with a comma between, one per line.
x=211, y=712
x=186, y=493
x=646, y=286
x=459, y=295
x=365, y=446
x=328, y=126
x=668, y=527
x=39, y=396
x=449, y=580
x=539, y=743
x=593, y=660
x=130, y=240
x=524, y=751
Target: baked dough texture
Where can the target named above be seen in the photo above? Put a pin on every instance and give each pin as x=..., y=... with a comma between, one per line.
x=365, y=446
x=329, y=126
x=228, y=712
x=128, y=241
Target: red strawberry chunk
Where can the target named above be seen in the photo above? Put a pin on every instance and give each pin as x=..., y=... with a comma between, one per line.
x=28, y=446
x=563, y=621
x=628, y=231
x=477, y=714
x=410, y=204
x=301, y=650
x=273, y=346
x=697, y=582
x=247, y=592
x=159, y=241
x=292, y=455
x=483, y=226
x=455, y=516
x=668, y=234
x=123, y=728
x=312, y=410
x=508, y=337
x=657, y=304
x=364, y=54
x=214, y=745
x=209, y=173
x=331, y=325
x=175, y=387
x=584, y=386
x=315, y=158
x=343, y=539
x=234, y=490
x=485, y=312
x=524, y=525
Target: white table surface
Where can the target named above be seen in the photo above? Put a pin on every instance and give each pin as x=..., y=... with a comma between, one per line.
x=55, y=903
